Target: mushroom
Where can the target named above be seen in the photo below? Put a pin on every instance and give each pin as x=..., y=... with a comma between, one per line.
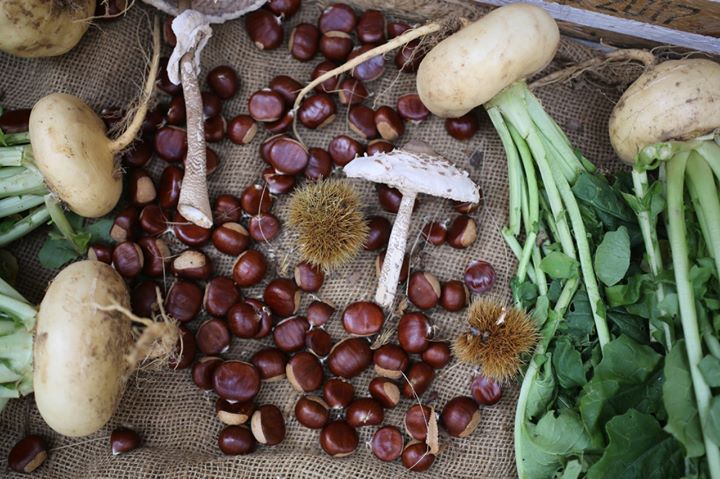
x=416, y=168
x=192, y=29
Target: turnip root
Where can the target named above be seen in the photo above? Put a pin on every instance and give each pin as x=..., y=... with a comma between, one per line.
x=85, y=347
x=43, y=28
x=73, y=153
x=675, y=100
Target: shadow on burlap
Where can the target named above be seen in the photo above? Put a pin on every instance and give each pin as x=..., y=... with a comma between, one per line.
x=177, y=420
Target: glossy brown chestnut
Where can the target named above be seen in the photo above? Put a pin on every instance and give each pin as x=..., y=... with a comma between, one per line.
x=304, y=372
x=308, y=277
x=417, y=457
x=337, y=16
x=168, y=35
x=213, y=337
x=282, y=296
x=416, y=421
x=268, y=425
x=100, y=252
x=288, y=156
x=438, y=354
x=156, y=254
x=171, y=143
x=361, y=120
x=303, y=43
x=266, y=105
x=236, y=381
x=266, y=320
x=424, y=289
x=231, y=238
x=408, y=57
x=349, y=357
x=318, y=313
x=153, y=220
x=191, y=264
x=169, y=190
x=379, y=233
x=188, y=233
x=390, y=361
x=331, y=84
x=255, y=199
x=388, y=197
x=125, y=225
x=462, y=128
x=368, y=70
x=336, y=45
x=414, y=332
x=289, y=334
x=462, y=232
x=264, y=227
x=319, y=164
x=27, y=454
x=281, y=125
x=141, y=189
x=223, y=80
x=395, y=29
x=286, y=86
x=15, y=121
x=344, y=149
x=277, y=183
x=264, y=29
x=234, y=413
x=351, y=91
x=379, y=146
x=371, y=27
x=338, y=393
x=128, y=259
x=364, y=412
x=202, y=371
x=318, y=342
x=123, y=440
x=460, y=416
x=236, y=440
x=266, y=145
x=153, y=120
x=411, y=108
x=143, y=298
x=419, y=377
x=185, y=350
x=241, y=129
x=388, y=123
x=465, y=207
x=286, y=8
x=434, y=233
x=163, y=81
x=338, y=439
x=317, y=111
x=387, y=443
x=386, y=392
x=454, y=295
x=226, y=208
x=404, y=269
x=479, y=276
x=138, y=155
x=212, y=105
x=363, y=318
x=270, y=363
x=485, y=390
x=243, y=320
x=312, y=412
x=183, y=300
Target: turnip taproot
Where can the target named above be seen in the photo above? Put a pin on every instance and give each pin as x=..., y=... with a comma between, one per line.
x=43, y=28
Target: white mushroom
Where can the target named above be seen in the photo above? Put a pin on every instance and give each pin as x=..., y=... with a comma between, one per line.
x=414, y=169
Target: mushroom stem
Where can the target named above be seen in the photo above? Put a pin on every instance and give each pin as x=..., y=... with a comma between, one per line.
x=395, y=255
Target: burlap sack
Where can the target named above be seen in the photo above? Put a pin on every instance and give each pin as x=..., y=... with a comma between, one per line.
x=177, y=421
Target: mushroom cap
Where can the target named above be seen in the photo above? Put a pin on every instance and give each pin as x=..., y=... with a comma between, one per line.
x=217, y=11
x=415, y=168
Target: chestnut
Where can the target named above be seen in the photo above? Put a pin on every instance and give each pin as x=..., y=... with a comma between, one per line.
x=226, y=208
x=202, y=371
x=308, y=277
x=386, y=392
x=390, y=361
x=288, y=156
x=264, y=227
x=188, y=233
x=128, y=259
x=460, y=416
x=304, y=372
x=371, y=27
x=454, y=295
x=241, y=129
x=438, y=354
x=379, y=146
x=319, y=164
x=418, y=380
x=268, y=425
x=212, y=160
x=223, y=80
x=434, y=233
x=336, y=45
x=462, y=232
x=16, y=121
x=28, y=454
x=100, y=252
x=138, y=155
x=170, y=143
x=270, y=363
x=125, y=225
x=303, y=43
x=388, y=197
x=255, y=199
x=249, y=268
x=191, y=264
x=281, y=125
x=183, y=300
x=243, y=320
x=278, y=183
x=338, y=393
x=185, y=350
x=286, y=8
x=156, y=254
x=289, y=334
x=423, y=289
x=416, y=421
x=370, y=69
x=152, y=220
x=266, y=145
x=408, y=57
x=163, y=81
x=233, y=413
x=387, y=443
x=123, y=440
x=485, y=391
x=287, y=87
x=282, y=296
x=213, y=337
x=318, y=313
x=141, y=189
x=236, y=381
x=312, y=412
x=414, y=332
x=317, y=111
x=266, y=105
x=388, y=123
x=364, y=412
x=337, y=16
x=318, y=342
x=211, y=103
x=154, y=119
x=264, y=29
x=411, y=108
x=363, y=318
x=404, y=268
x=344, y=149
x=417, y=457
x=169, y=189
x=462, y=128
x=338, y=439
x=351, y=91
x=331, y=84
x=466, y=207
x=236, y=440
x=379, y=233
x=479, y=276
x=349, y=357
x=266, y=320
x=361, y=120
x=231, y=238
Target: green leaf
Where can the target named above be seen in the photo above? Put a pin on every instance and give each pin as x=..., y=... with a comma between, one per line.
x=558, y=265
x=568, y=365
x=524, y=293
x=638, y=448
x=627, y=293
x=539, y=313
x=683, y=418
x=612, y=257
x=8, y=266
x=100, y=231
x=596, y=191
x=542, y=390
x=573, y=469
x=55, y=253
x=710, y=369
x=629, y=325
x=711, y=424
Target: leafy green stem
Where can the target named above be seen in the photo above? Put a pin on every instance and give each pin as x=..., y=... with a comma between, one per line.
x=29, y=182
x=513, y=166
x=78, y=242
x=37, y=217
x=17, y=204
